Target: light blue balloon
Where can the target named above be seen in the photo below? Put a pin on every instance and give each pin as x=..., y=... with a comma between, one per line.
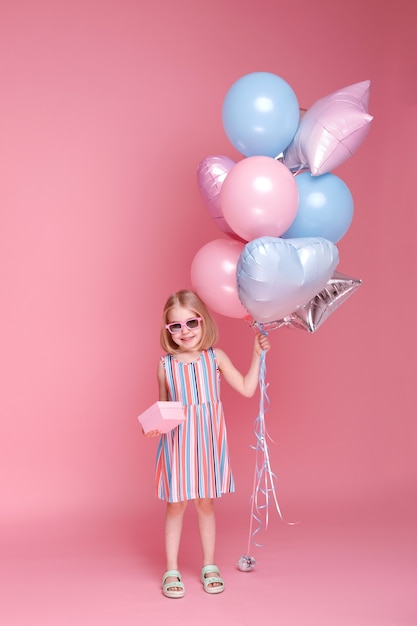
x=325, y=208
x=260, y=114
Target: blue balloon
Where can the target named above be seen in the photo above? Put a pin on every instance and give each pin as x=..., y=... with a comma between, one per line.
x=325, y=208
x=260, y=114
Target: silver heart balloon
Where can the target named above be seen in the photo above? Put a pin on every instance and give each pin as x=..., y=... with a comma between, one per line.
x=277, y=276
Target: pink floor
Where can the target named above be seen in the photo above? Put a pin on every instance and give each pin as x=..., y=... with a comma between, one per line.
x=321, y=573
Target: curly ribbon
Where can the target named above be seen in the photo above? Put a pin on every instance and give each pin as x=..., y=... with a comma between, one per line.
x=264, y=478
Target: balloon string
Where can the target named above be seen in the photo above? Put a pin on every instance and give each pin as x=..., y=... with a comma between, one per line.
x=264, y=478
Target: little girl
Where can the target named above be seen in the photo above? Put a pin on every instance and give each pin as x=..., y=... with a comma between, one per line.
x=192, y=459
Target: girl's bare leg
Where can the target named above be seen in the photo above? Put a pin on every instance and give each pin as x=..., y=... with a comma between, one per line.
x=173, y=529
x=207, y=528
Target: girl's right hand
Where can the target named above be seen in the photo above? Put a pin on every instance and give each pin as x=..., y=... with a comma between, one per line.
x=151, y=433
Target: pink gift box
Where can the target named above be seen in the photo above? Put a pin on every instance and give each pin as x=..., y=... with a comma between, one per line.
x=162, y=416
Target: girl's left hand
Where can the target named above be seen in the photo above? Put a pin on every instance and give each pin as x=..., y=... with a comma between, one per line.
x=262, y=343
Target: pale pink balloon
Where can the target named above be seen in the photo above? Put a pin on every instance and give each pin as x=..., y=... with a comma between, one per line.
x=259, y=198
x=213, y=277
x=331, y=130
x=211, y=174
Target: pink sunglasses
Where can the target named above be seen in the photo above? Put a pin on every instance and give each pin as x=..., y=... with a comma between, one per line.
x=190, y=324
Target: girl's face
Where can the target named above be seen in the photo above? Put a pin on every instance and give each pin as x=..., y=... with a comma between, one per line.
x=186, y=336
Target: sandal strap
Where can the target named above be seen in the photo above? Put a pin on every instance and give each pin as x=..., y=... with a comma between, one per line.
x=213, y=579
x=209, y=568
x=175, y=574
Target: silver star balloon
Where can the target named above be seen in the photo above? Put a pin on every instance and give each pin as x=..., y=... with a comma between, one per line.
x=312, y=315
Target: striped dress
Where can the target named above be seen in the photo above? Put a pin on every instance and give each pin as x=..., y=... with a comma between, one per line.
x=193, y=459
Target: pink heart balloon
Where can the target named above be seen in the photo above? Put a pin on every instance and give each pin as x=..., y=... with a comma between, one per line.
x=211, y=174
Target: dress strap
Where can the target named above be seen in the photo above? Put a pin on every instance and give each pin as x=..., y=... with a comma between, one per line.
x=168, y=365
x=212, y=354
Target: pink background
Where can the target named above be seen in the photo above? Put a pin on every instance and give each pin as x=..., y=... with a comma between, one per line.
x=107, y=108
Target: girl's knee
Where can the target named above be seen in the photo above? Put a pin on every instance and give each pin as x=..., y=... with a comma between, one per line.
x=176, y=508
x=204, y=505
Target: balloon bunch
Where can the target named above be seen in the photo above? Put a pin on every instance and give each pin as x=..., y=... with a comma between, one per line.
x=283, y=212
x=280, y=207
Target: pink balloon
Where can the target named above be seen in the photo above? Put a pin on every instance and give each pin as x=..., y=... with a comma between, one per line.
x=259, y=198
x=331, y=130
x=213, y=277
x=211, y=174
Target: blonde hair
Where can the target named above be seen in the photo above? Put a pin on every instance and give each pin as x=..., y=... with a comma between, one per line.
x=189, y=300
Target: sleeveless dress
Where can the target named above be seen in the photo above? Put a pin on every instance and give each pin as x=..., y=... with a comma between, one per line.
x=192, y=459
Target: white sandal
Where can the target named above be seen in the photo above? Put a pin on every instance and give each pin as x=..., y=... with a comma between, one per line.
x=212, y=579
x=167, y=587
